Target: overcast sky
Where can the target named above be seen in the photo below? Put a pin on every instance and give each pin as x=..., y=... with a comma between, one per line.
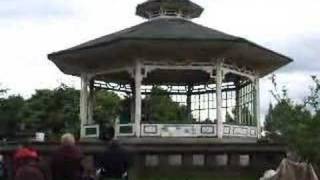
x=30, y=29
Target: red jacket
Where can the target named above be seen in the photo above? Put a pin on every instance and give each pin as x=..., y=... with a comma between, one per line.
x=23, y=155
x=30, y=171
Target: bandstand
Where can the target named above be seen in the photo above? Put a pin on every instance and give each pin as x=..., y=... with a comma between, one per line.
x=210, y=77
x=215, y=76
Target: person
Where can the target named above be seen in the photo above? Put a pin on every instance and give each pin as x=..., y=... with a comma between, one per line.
x=22, y=150
x=114, y=162
x=2, y=168
x=27, y=165
x=66, y=161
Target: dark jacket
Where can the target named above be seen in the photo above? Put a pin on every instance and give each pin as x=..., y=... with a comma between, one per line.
x=3, y=170
x=114, y=162
x=29, y=170
x=66, y=163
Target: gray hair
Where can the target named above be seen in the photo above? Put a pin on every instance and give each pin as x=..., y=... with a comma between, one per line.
x=67, y=139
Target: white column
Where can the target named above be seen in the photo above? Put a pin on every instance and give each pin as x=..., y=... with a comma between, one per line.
x=116, y=128
x=83, y=103
x=90, y=102
x=257, y=104
x=219, y=77
x=138, y=81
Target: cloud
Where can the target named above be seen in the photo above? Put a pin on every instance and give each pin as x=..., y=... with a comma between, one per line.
x=297, y=83
x=33, y=9
x=289, y=27
x=30, y=29
x=305, y=51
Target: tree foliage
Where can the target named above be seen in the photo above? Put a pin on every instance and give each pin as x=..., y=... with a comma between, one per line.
x=53, y=111
x=57, y=111
x=2, y=91
x=107, y=107
x=298, y=125
x=160, y=108
x=313, y=100
x=10, y=114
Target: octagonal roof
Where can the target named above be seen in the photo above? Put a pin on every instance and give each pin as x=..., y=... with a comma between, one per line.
x=166, y=39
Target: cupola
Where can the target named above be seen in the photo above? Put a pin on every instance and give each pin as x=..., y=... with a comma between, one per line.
x=169, y=8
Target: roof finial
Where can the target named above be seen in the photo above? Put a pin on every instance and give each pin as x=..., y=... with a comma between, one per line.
x=173, y=8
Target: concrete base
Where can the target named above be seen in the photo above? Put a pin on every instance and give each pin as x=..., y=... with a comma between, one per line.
x=180, y=156
x=90, y=140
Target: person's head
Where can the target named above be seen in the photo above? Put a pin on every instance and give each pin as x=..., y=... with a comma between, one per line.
x=67, y=139
x=24, y=156
x=107, y=133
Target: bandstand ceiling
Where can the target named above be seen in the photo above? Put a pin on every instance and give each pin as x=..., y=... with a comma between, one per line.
x=166, y=40
x=168, y=77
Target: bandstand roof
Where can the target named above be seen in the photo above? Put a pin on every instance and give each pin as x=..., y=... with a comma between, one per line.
x=166, y=40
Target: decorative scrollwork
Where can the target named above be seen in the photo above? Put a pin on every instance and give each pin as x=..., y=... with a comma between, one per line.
x=242, y=71
x=126, y=88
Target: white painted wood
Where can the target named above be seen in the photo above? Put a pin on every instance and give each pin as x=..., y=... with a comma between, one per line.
x=232, y=68
x=121, y=134
x=116, y=128
x=90, y=102
x=194, y=130
x=114, y=70
x=138, y=81
x=188, y=62
x=178, y=130
x=239, y=131
x=249, y=76
x=83, y=103
x=206, y=68
x=257, y=104
x=219, y=100
x=93, y=126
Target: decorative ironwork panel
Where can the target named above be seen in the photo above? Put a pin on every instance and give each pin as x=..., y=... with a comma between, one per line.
x=178, y=130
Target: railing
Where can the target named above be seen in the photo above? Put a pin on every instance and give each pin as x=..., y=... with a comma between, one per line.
x=239, y=131
x=125, y=130
x=185, y=130
x=178, y=130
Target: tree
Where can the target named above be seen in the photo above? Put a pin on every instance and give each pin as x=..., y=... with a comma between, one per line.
x=10, y=114
x=2, y=91
x=313, y=100
x=296, y=125
x=286, y=121
x=54, y=111
x=160, y=108
x=107, y=107
x=247, y=116
x=57, y=111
